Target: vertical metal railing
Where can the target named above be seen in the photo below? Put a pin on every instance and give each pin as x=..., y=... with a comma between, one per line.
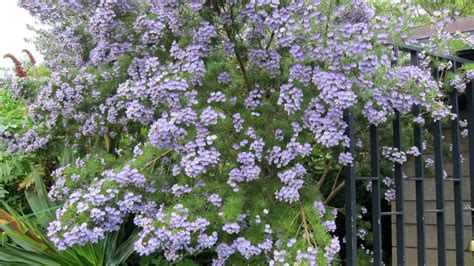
x=399, y=198
x=419, y=179
x=439, y=180
x=376, y=208
x=457, y=179
x=350, y=190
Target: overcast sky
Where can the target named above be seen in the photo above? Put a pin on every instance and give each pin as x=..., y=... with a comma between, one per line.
x=13, y=32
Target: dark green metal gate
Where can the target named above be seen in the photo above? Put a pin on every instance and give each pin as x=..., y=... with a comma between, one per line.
x=418, y=179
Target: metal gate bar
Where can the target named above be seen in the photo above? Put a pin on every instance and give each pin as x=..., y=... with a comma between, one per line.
x=419, y=181
x=399, y=202
x=350, y=187
x=376, y=209
x=438, y=159
x=457, y=180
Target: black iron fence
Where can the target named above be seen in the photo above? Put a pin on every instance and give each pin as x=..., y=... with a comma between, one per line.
x=418, y=179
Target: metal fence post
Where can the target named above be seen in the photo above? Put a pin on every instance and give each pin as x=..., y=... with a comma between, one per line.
x=470, y=112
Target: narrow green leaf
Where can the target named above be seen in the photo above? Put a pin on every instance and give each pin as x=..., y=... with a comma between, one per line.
x=39, y=201
x=124, y=250
x=24, y=241
x=12, y=254
x=111, y=245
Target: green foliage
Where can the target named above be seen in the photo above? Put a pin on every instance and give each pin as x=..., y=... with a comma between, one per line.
x=3, y=192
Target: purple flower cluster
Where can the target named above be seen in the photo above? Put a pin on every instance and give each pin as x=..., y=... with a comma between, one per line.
x=242, y=246
x=196, y=160
x=390, y=190
x=331, y=250
x=330, y=226
x=297, y=53
x=458, y=83
x=320, y=208
x=301, y=73
x=215, y=200
x=282, y=157
x=223, y=78
x=231, y=228
x=394, y=155
x=269, y=60
x=209, y=116
x=29, y=142
x=470, y=75
x=345, y=158
x=228, y=48
x=217, y=97
x=335, y=89
x=238, y=122
x=179, y=190
x=173, y=232
x=165, y=134
x=128, y=177
x=464, y=130
x=254, y=99
x=292, y=180
x=413, y=151
x=248, y=170
x=291, y=98
x=106, y=201
x=309, y=256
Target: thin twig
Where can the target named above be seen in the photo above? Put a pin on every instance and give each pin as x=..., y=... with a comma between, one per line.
x=323, y=176
x=231, y=37
x=335, y=181
x=306, y=227
x=152, y=162
x=333, y=193
x=270, y=41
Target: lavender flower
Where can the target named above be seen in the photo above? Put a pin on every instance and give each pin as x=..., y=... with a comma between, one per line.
x=331, y=250
x=223, y=78
x=231, y=228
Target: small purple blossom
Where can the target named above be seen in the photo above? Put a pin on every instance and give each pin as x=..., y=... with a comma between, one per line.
x=345, y=158
x=231, y=228
x=224, y=78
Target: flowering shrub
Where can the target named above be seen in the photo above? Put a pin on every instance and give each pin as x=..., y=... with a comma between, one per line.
x=194, y=118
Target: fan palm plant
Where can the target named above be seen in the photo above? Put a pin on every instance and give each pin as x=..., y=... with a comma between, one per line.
x=28, y=244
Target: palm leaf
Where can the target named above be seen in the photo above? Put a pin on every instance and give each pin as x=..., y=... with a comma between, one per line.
x=124, y=251
x=25, y=241
x=39, y=201
x=110, y=244
x=12, y=255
